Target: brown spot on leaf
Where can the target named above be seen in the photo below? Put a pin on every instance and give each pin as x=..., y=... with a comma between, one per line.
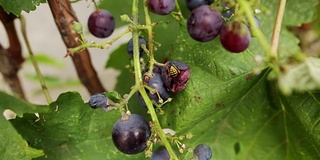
x=219, y=105
x=197, y=99
x=249, y=76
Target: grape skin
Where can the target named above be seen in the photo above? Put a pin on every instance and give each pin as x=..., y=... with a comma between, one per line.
x=131, y=136
x=155, y=82
x=228, y=13
x=203, y=152
x=142, y=40
x=160, y=154
x=235, y=36
x=101, y=23
x=161, y=7
x=175, y=82
x=204, y=23
x=193, y=4
x=98, y=100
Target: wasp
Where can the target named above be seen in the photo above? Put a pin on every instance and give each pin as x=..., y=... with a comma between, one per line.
x=173, y=71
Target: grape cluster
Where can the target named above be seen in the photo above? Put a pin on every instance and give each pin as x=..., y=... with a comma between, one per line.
x=172, y=77
x=131, y=133
x=206, y=22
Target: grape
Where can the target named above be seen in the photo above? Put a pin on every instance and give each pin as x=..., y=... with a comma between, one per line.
x=204, y=23
x=130, y=46
x=228, y=13
x=161, y=7
x=160, y=154
x=235, y=36
x=98, y=100
x=203, y=152
x=101, y=23
x=155, y=82
x=130, y=136
x=175, y=75
x=192, y=4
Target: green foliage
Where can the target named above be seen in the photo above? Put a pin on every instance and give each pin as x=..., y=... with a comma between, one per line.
x=44, y=59
x=12, y=144
x=72, y=130
x=239, y=114
x=16, y=6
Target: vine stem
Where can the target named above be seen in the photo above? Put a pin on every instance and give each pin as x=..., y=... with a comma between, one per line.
x=274, y=47
x=271, y=51
x=98, y=45
x=277, y=26
x=138, y=78
x=34, y=61
x=262, y=40
x=150, y=37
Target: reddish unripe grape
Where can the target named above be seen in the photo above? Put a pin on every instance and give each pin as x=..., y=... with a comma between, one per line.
x=204, y=23
x=161, y=7
x=101, y=23
x=235, y=36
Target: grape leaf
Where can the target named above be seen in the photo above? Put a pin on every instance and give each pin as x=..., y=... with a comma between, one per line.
x=12, y=144
x=234, y=111
x=16, y=6
x=72, y=130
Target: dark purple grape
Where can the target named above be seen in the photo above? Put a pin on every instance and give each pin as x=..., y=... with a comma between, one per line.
x=175, y=75
x=131, y=136
x=192, y=4
x=155, y=82
x=203, y=152
x=235, y=36
x=98, y=100
x=204, y=23
x=160, y=154
x=101, y=23
x=130, y=46
x=228, y=13
x=161, y=7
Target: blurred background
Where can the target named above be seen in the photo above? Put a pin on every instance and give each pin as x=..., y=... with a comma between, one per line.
x=47, y=45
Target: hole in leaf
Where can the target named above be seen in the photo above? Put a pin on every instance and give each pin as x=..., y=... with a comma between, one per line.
x=236, y=147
